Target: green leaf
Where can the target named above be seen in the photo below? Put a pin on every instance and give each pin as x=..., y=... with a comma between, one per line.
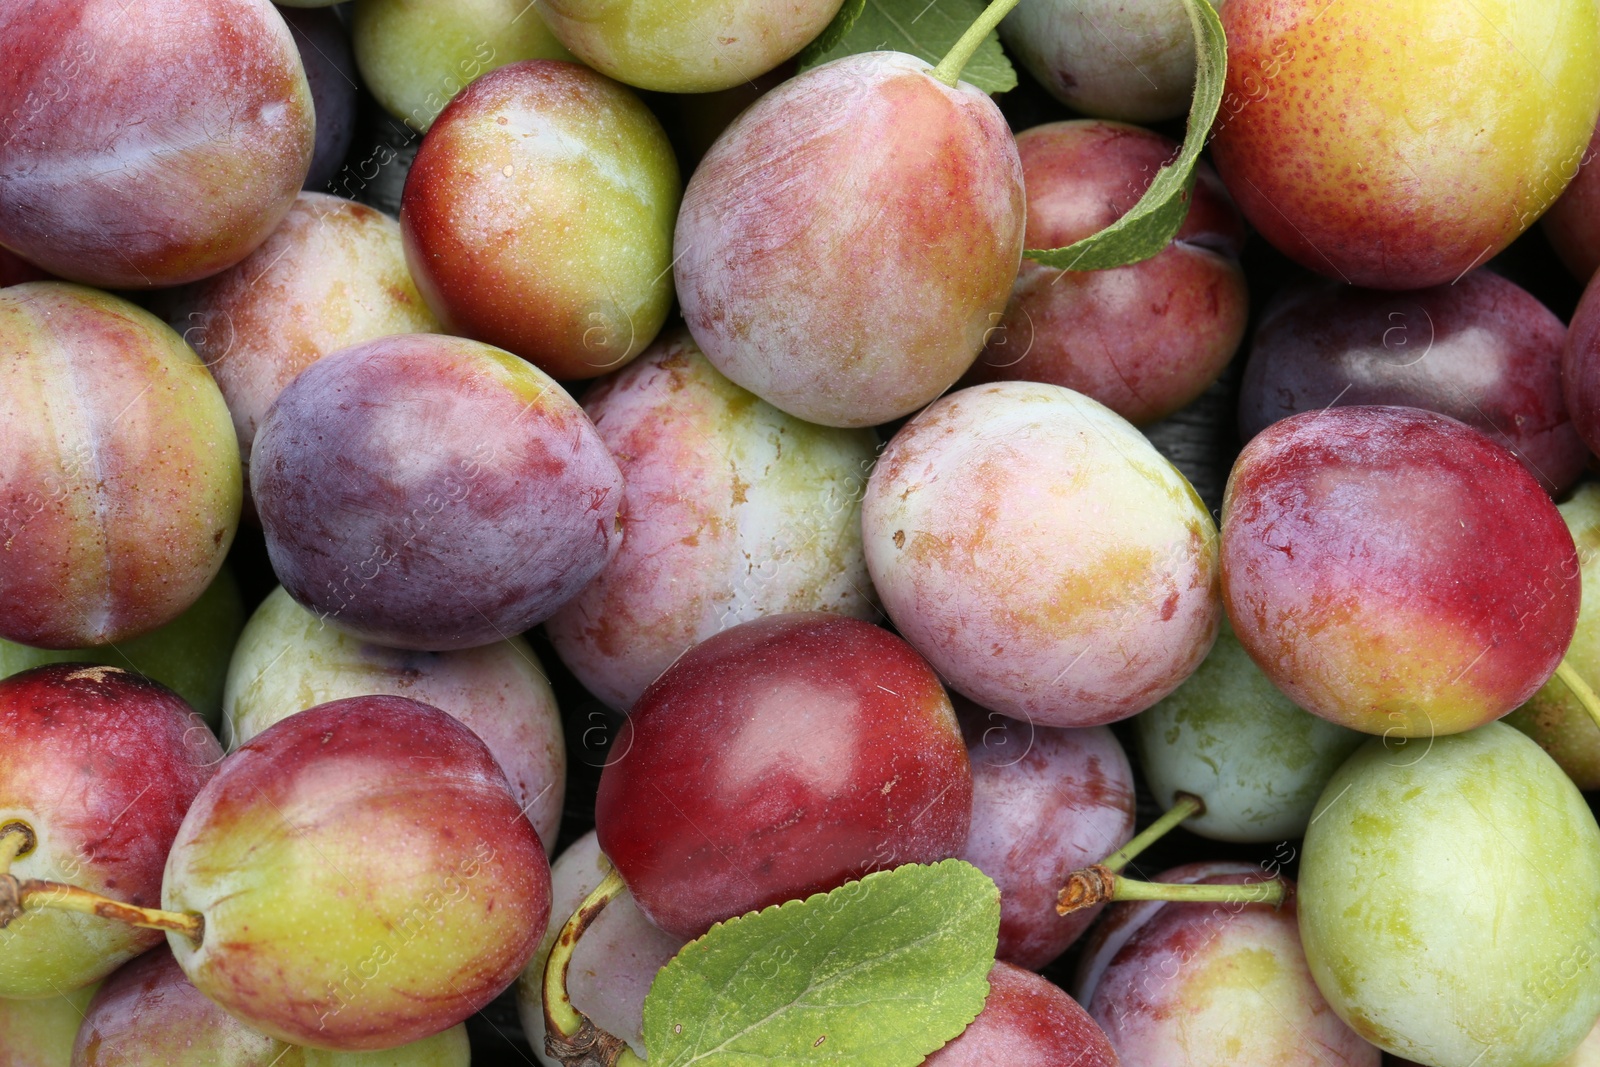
x=925, y=28
x=877, y=973
x=835, y=32
x=1148, y=226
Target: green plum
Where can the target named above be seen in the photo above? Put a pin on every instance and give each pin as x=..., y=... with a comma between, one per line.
x=189, y=655
x=39, y=1033
x=288, y=660
x=674, y=46
x=1552, y=716
x=1450, y=900
x=1230, y=737
x=416, y=55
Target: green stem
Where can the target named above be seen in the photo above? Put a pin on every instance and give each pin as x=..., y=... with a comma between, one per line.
x=961, y=53
x=1580, y=689
x=1097, y=885
x=1186, y=805
x=569, y=1035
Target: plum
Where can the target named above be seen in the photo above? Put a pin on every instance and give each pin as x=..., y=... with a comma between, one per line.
x=1027, y=1022
x=98, y=768
x=148, y=148
x=1211, y=985
x=1398, y=146
x=14, y=270
x=1107, y=58
x=1395, y=571
x=1230, y=737
x=1483, y=351
x=331, y=74
x=39, y=1033
x=189, y=655
x=333, y=274
x=847, y=243
x=363, y=877
x=1144, y=339
x=1042, y=554
x=148, y=1013
x=1045, y=801
x=287, y=661
x=1552, y=716
x=119, y=481
x=694, y=47
x=1449, y=901
x=538, y=217
x=613, y=964
x=1573, y=222
x=416, y=55
x=780, y=758
x=433, y=493
x=1580, y=367
x=733, y=509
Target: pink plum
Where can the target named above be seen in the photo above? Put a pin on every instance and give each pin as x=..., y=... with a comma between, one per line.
x=1048, y=561
x=847, y=243
x=733, y=510
x=1211, y=985
x=1045, y=801
x=1027, y=1022
x=148, y=146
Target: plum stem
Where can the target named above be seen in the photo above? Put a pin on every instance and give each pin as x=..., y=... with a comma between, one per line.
x=1096, y=885
x=569, y=1035
x=1185, y=806
x=15, y=839
x=17, y=897
x=1580, y=689
x=966, y=46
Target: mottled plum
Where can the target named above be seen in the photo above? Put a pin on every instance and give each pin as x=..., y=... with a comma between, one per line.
x=1027, y=1022
x=1048, y=561
x=733, y=511
x=1395, y=571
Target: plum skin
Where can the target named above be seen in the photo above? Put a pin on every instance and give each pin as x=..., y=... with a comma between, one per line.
x=733, y=510
x=780, y=758
x=1448, y=896
x=365, y=877
x=1144, y=339
x=1397, y=148
x=1573, y=222
x=1395, y=571
x=433, y=493
x=1580, y=367
x=488, y=224
x=130, y=163
x=1482, y=350
x=83, y=745
x=1045, y=802
x=848, y=241
x=965, y=519
x=119, y=484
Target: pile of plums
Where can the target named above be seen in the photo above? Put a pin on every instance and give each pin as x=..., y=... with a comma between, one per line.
x=405, y=403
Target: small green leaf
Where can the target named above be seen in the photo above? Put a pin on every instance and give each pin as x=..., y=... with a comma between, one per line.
x=1148, y=226
x=835, y=32
x=877, y=973
x=924, y=28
